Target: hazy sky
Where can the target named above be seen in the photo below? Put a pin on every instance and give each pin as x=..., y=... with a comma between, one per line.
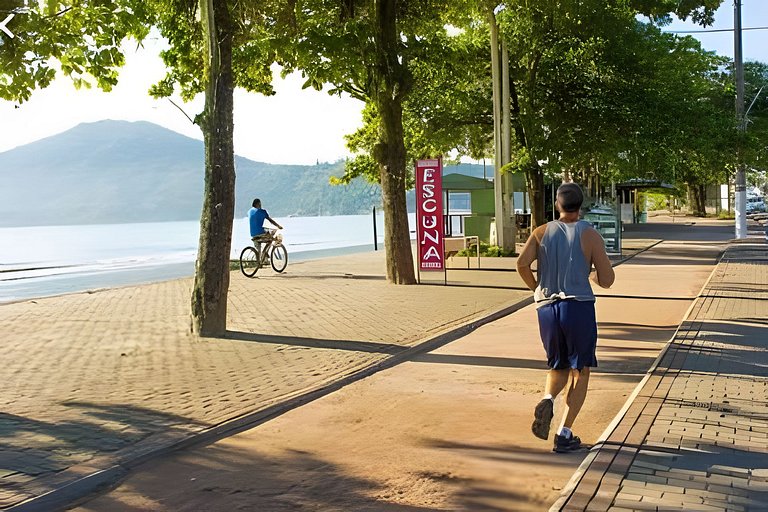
x=294, y=126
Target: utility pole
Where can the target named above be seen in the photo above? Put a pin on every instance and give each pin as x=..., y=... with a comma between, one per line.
x=502, y=183
x=741, y=179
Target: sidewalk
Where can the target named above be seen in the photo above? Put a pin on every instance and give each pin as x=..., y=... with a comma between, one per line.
x=95, y=382
x=448, y=429
x=695, y=436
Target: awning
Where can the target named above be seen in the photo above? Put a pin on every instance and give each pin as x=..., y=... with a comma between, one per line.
x=645, y=184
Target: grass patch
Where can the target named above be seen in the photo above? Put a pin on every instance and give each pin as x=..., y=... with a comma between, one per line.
x=486, y=250
x=724, y=215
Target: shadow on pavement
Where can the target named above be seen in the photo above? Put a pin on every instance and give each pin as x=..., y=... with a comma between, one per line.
x=619, y=331
x=675, y=255
x=475, y=495
x=505, y=452
x=34, y=450
x=227, y=478
x=730, y=334
x=355, y=346
x=641, y=297
x=679, y=232
x=501, y=362
x=317, y=275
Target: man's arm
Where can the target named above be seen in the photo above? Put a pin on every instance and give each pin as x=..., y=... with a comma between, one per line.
x=604, y=274
x=528, y=255
x=278, y=226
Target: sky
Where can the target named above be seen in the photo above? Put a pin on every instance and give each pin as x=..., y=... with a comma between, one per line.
x=754, y=13
x=293, y=127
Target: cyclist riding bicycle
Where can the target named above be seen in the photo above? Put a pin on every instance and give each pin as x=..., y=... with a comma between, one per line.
x=256, y=217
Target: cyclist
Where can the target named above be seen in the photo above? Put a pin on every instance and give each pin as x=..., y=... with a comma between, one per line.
x=256, y=217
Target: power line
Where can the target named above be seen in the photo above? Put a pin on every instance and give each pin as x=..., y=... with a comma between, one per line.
x=712, y=30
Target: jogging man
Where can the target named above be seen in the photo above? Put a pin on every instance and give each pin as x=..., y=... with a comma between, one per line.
x=565, y=251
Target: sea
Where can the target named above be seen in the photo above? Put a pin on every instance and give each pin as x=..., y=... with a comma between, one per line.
x=43, y=261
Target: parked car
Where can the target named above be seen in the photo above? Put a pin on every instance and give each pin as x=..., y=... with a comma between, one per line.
x=755, y=204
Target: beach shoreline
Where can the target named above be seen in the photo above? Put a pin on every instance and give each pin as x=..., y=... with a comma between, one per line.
x=52, y=284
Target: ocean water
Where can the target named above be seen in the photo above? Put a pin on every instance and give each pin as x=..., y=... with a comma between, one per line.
x=51, y=260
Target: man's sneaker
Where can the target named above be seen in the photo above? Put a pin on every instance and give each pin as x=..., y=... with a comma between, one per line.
x=542, y=418
x=566, y=444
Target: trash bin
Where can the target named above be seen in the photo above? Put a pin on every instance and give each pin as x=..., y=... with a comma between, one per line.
x=642, y=218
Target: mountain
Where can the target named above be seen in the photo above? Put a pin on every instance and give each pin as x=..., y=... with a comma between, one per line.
x=118, y=171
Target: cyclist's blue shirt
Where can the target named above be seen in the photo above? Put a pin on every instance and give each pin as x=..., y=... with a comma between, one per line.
x=256, y=218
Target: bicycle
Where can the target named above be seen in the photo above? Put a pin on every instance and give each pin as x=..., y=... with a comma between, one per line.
x=272, y=251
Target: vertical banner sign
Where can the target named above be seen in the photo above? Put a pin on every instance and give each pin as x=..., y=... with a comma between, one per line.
x=429, y=214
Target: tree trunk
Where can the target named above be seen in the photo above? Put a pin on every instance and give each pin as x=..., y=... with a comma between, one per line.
x=534, y=177
x=209, y=296
x=391, y=85
x=698, y=200
x=397, y=240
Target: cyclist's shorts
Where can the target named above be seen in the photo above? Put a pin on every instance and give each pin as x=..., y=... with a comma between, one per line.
x=569, y=333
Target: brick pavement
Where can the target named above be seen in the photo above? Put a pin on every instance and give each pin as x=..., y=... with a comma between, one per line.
x=695, y=436
x=92, y=380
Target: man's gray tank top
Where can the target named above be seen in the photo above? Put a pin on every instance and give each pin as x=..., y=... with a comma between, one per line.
x=563, y=270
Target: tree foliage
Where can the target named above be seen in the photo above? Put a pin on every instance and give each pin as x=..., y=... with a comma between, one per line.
x=82, y=39
x=592, y=87
x=252, y=52
x=368, y=49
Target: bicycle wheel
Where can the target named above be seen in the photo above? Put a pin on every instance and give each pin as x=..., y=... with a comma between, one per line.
x=279, y=258
x=249, y=261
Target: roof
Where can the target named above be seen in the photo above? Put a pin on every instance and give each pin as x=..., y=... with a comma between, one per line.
x=455, y=181
x=458, y=182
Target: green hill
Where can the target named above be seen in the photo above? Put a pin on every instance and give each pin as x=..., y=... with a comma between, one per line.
x=118, y=171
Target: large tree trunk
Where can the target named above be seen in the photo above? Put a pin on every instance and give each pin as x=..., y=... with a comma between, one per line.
x=391, y=85
x=397, y=240
x=209, y=297
x=534, y=178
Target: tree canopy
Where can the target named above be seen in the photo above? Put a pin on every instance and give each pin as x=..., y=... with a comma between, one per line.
x=80, y=38
x=593, y=89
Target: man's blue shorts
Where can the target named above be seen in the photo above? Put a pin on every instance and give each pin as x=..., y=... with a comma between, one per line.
x=569, y=333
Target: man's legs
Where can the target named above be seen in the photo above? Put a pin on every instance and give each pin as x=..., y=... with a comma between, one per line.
x=575, y=393
x=557, y=380
x=569, y=333
x=574, y=396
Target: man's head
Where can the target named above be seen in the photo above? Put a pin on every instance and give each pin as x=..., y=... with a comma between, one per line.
x=569, y=197
x=257, y=203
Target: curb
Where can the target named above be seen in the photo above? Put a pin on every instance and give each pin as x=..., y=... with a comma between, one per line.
x=574, y=481
x=78, y=491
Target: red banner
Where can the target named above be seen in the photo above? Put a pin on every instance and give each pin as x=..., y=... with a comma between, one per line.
x=429, y=214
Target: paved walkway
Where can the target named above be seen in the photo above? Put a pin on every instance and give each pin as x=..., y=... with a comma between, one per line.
x=695, y=436
x=103, y=380
x=95, y=380
x=447, y=429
